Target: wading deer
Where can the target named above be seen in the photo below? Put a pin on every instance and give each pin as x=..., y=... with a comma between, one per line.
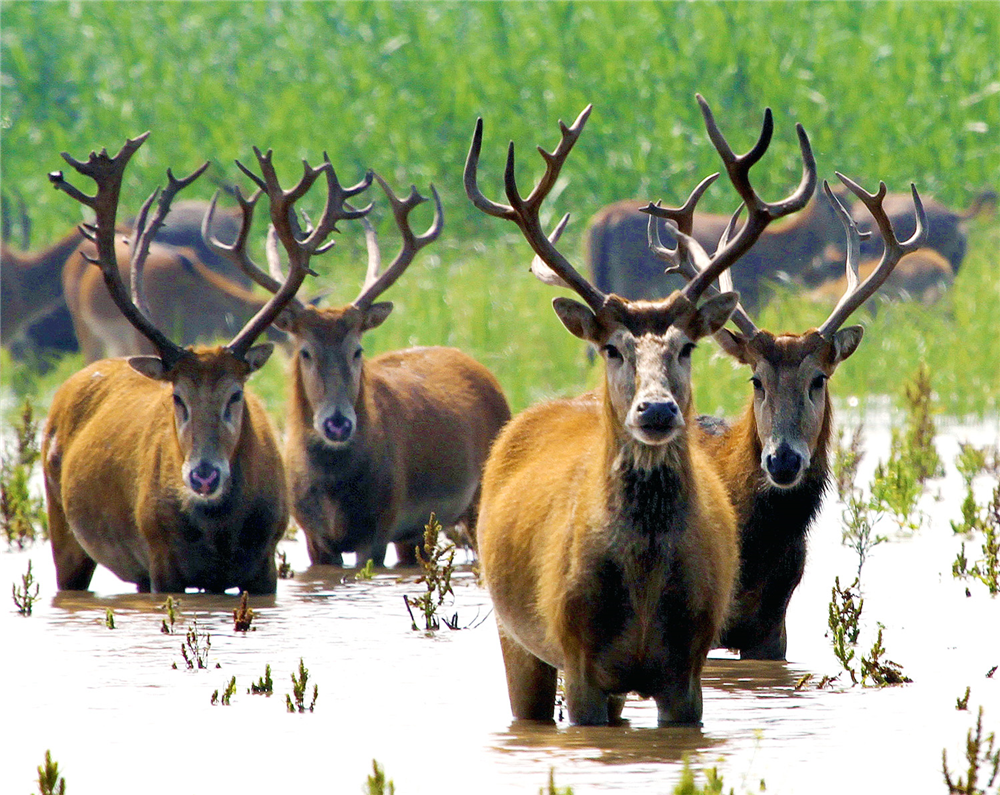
x=620, y=262
x=163, y=468
x=606, y=538
x=374, y=446
x=773, y=459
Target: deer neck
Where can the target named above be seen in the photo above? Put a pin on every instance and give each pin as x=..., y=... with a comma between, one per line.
x=647, y=487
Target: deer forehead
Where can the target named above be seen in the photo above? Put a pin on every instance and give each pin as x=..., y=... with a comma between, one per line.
x=327, y=327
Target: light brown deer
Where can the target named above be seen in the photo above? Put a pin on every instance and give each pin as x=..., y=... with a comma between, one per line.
x=163, y=468
x=774, y=458
x=184, y=296
x=606, y=538
x=33, y=286
x=374, y=446
x=619, y=260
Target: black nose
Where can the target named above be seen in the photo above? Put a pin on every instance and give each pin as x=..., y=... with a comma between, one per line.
x=338, y=428
x=660, y=416
x=783, y=465
x=204, y=478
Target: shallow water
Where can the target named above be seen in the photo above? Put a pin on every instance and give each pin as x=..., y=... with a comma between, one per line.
x=433, y=708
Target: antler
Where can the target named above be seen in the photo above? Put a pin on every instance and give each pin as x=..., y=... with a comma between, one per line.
x=377, y=283
x=299, y=247
x=689, y=258
x=856, y=295
x=761, y=213
x=524, y=211
x=143, y=234
x=107, y=172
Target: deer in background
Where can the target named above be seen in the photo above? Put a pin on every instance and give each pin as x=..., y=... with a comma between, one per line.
x=606, y=537
x=374, y=446
x=774, y=458
x=619, y=260
x=183, y=295
x=54, y=299
x=164, y=468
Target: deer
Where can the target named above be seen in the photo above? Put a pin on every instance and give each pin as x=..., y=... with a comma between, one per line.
x=619, y=260
x=374, y=446
x=35, y=288
x=923, y=276
x=945, y=233
x=163, y=468
x=183, y=294
x=606, y=538
x=774, y=458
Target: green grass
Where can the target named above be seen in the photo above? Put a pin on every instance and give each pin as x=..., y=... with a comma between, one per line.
x=894, y=91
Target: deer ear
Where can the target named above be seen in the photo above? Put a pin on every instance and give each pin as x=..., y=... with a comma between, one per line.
x=376, y=314
x=149, y=366
x=846, y=342
x=578, y=319
x=258, y=355
x=734, y=344
x=712, y=315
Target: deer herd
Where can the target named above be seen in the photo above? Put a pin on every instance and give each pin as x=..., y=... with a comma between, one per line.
x=621, y=535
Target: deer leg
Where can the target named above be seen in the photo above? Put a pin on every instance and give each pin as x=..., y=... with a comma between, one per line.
x=616, y=703
x=406, y=553
x=586, y=703
x=771, y=647
x=531, y=683
x=74, y=567
x=265, y=581
x=320, y=553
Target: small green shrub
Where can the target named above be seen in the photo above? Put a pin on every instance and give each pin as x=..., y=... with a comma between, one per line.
x=982, y=759
x=49, y=780
x=299, y=684
x=437, y=560
x=24, y=598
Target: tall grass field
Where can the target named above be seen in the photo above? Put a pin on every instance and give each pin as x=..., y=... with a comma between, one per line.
x=895, y=91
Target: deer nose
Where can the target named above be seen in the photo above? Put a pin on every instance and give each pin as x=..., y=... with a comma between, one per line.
x=659, y=416
x=204, y=478
x=338, y=428
x=783, y=465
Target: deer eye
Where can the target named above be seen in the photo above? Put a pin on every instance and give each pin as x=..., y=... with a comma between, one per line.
x=304, y=354
x=357, y=353
x=686, y=350
x=179, y=405
x=817, y=382
x=758, y=385
x=234, y=400
x=612, y=352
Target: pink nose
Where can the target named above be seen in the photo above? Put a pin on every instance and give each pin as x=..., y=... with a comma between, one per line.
x=204, y=478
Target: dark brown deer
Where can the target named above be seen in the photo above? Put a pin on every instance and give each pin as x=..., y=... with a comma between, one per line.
x=945, y=227
x=374, y=446
x=774, y=458
x=606, y=537
x=164, y=468
x=620, y=262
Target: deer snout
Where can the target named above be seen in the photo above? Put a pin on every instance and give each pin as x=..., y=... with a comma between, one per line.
x=337, y=428
x=654, y=421
x=205, y=479
x=785, y=465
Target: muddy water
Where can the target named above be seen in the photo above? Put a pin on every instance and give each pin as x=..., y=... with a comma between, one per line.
x=433, y=710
